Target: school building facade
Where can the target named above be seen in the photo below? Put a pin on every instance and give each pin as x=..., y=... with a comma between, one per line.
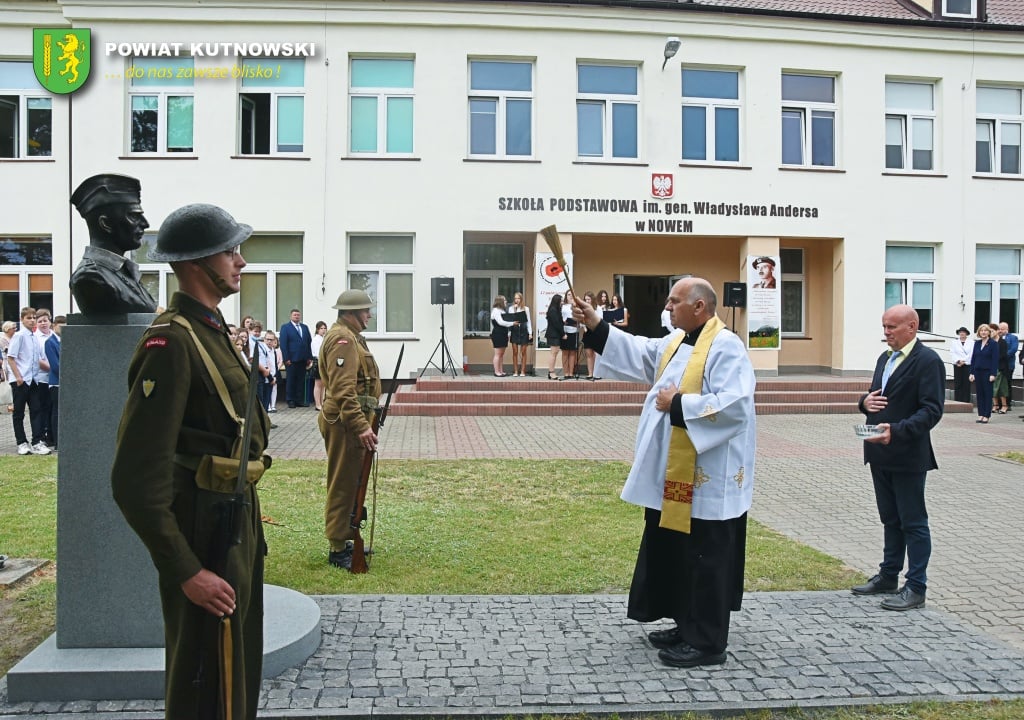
x=873, y=149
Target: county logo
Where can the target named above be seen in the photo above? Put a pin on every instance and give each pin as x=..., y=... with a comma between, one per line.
x=61, y=58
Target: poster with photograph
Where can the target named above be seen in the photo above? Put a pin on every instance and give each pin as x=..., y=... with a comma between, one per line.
x=550, y=281
x=764, y=302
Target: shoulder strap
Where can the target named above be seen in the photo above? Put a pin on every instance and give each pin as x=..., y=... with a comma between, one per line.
x=218, y=381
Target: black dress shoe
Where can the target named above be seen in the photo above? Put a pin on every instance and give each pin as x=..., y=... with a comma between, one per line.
x=665, y=638
x=684, y=656
x=291, y=404
x=876, y=586
x=341, y=558
x=906, y=599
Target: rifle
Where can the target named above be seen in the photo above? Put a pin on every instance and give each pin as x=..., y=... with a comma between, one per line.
x=358, y=517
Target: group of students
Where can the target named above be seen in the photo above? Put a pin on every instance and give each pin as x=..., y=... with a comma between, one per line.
x=988, y=363
x=30, y=368
x=563, y=333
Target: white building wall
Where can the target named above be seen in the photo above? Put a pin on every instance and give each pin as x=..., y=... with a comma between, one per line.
x=438, y=196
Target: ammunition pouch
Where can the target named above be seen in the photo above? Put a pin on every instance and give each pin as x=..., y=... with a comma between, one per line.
x=368, y=404
x=220, y=474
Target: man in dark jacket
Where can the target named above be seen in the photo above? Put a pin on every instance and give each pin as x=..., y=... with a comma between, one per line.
x=297, y=351
x=905, y=402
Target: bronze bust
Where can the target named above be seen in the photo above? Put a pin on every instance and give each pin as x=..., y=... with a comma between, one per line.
x=105, y=281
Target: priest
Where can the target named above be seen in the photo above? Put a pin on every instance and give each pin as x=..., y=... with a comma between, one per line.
x=693, y=471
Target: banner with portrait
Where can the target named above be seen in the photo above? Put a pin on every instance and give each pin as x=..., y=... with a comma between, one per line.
x=549, y=281
x=764, y=302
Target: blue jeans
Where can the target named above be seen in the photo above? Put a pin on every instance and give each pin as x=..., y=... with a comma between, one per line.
x=901, y=508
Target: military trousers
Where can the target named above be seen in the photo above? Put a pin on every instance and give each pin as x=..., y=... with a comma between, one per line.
x=344, y=465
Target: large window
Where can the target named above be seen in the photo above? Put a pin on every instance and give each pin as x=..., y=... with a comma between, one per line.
x=793, y=285
x=381, y=106
x=808, y=120
x=492, y=269
x=711, y=115
x=910, y=280
x=26, y=113
x=160, y=104
x=271, y=107
x=382, y=265
x=500, y=108
x=607, y=112
x=997, y=285
x=998, y=130
x=26, y=274
x=909, y=125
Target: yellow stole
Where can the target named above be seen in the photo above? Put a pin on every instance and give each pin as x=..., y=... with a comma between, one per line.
x=677, y=503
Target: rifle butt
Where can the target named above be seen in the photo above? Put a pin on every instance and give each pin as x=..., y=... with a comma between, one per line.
x=359, y=565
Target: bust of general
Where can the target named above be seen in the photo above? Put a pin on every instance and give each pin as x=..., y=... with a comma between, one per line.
x=105, y=281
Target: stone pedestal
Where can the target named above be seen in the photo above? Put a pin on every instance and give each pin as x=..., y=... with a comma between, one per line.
x=109, y=639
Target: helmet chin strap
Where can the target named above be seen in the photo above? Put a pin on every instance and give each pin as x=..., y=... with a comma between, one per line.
x=216, y=279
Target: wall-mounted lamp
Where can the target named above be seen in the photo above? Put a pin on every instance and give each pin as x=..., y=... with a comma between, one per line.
x=671, y=48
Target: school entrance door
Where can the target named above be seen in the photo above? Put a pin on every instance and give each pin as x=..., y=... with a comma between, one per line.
x=644, y=297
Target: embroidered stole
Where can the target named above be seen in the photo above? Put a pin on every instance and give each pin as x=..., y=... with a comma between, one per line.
x=677, y=503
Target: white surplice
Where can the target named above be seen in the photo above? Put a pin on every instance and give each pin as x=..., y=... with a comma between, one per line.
x=720, y=421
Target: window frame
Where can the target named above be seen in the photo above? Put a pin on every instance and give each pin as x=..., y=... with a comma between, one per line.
x=996, y=123
x=806, y=110
x=608, y=101
x=909, y=279
x=383, y=271
x=21, y=118
x=275, y=94
x=711, y=105
x=163, y=93
x=996, y=281
x=972, y=14
x=382, y=95
x=795, y=277
x=907, y=116
x=501, y=98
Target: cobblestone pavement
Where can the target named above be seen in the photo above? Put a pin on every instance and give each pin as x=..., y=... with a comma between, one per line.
x=458, y=655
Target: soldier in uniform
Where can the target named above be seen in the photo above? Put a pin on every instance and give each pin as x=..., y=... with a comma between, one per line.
x=184, y=374
x=351, y=391
x=105, y=281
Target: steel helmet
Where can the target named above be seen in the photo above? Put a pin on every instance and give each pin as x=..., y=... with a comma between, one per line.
x=197, y=231
x=353, y=300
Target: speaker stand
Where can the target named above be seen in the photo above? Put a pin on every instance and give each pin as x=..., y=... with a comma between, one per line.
x=733, y=326
x=446, y=354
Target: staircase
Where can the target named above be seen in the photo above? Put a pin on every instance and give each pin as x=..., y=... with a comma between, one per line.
x=440, y=395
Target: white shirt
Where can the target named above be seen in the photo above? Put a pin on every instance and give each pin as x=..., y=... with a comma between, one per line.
x=567, y=315
x=961, y=351
x=719, y=421
x=25, y=351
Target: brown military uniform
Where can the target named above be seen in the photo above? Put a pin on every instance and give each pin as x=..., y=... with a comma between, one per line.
x=351, y=382
x=172, y=418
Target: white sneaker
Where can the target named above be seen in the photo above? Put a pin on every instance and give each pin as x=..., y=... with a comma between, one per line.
x=40, y=448
x=24, y=449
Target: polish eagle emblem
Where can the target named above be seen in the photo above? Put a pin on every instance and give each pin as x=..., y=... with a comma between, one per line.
x=662, y=185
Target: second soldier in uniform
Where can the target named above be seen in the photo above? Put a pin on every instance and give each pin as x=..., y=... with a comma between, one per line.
x=351, y=390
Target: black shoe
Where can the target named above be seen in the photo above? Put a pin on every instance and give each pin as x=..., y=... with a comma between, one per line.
x=876, y=586
x=273, y=426
x=665, y=638
x=906, y=599
x=684, y=656
x=341, y=558
x=291, y=404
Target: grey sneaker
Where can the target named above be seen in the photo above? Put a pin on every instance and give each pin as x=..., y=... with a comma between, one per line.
x=40, y=448
x=24, y=449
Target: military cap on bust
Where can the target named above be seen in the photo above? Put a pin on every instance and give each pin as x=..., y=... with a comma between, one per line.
x=105, y=189
x=763, y=259
x=353, y=300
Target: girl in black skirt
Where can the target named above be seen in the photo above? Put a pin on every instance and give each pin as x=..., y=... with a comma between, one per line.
x=553, y=333
x=499, y=335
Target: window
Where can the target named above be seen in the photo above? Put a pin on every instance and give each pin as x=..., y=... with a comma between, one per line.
x=998, y=128
x=26, y=274
x=607, y=107
x=380, y=105
x=382, y=266
x=997, y=285
x=960, y=8
x=910, y=280
x=26, y=113
x=711, y=115
x=492, y=269
x=271, y=107
x=160, y=102
x=909, y=123
x=808, y=120
x=500, y=108
x=793, y=283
